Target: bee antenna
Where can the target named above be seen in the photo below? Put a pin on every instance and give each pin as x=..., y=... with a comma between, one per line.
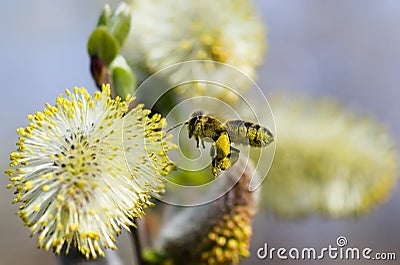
x=176, y=126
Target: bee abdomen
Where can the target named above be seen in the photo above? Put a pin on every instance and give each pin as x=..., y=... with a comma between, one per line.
x=248, y=133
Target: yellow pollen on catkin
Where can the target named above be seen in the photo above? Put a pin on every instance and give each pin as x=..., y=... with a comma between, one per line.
x=201, y=55
x=10, y=172
x=64, y=179
x=67, y=92
x=207, y=39
x=73, y=227
x=97, y=95
x=185, y=45
x=28, y=185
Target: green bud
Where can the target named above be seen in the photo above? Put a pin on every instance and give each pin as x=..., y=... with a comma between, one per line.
x=103, y=45
x=120, y=22
x=124, y=80
x=104, y=16
x=156, y=257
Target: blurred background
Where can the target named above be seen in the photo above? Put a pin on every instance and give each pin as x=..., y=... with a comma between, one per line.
x=345, y=50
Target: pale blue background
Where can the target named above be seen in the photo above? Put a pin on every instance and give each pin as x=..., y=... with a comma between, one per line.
x=348, y=50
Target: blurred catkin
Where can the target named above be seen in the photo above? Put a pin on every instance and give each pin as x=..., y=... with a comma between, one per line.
x=165, y=33
x=328, y=161
x=216, y=233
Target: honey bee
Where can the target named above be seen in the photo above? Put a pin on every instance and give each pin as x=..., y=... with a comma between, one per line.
x=223, y=154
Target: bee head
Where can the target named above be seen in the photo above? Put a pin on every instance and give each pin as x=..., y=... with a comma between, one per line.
x=193, y=122
x=195, y=114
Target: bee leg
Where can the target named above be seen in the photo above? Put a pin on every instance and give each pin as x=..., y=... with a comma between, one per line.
x=213, y=152
x=215, y=171
x=233, y=149
x=197, y=141
x=202, y=143
x=234, y=155
x=215, y=168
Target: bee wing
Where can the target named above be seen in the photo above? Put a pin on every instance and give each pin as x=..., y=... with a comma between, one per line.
x=219, y=117
x=238, y=132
